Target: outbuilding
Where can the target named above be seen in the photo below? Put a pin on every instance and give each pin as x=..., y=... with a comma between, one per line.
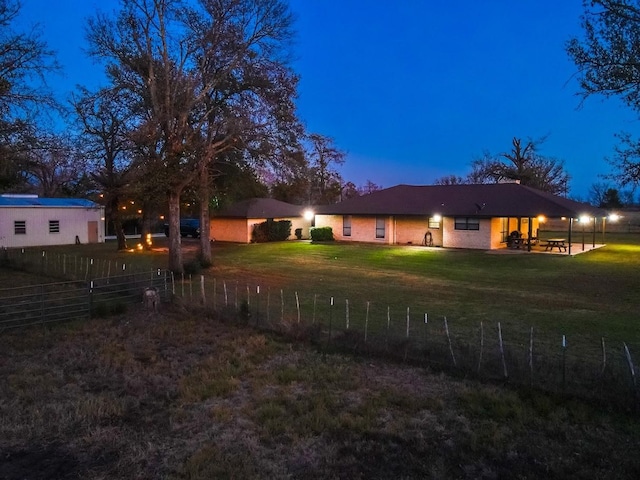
x=236, y=222
x=30, y=221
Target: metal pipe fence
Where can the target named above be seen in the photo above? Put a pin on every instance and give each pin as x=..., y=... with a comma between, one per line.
x=78, y=300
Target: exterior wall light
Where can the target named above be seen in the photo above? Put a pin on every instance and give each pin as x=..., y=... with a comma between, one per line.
x=614, y=217
x=584, y=219
x=308, y=215
x=437, y=217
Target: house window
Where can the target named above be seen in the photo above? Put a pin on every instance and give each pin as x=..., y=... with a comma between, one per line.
x=20, y=227
x=54, y=226
x=434, y=223
x=380, y=225
x=467, y=223
x=346, y=225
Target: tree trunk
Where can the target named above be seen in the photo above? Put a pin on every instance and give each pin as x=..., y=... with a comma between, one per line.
x=175, y=244
x=205, y=233
x=145, y=229
x=114, y=214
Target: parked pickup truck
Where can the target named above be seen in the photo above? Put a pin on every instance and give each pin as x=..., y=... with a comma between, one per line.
x=189, y=227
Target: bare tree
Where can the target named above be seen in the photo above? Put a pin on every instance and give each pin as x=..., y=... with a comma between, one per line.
x=25, y=61
x=104, y=121
x=608, y=61
x=522, y=164
x=206, y=78
x=324, y=179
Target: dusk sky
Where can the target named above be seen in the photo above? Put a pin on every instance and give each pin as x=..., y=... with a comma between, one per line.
x=415, y=90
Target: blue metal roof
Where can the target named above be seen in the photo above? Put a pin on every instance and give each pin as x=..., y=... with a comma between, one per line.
x=46, y=202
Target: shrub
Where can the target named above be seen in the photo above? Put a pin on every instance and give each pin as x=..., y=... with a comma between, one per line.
x=299, y=233
x=271, y=231
x=321, y=234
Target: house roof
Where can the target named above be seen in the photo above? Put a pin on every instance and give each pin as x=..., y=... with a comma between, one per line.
x=477, y=200
x=261, y=208
x=34, y=201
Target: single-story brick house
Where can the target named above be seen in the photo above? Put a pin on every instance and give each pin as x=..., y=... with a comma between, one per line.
x=478, y=216
x=30, y=221
x=235, y=223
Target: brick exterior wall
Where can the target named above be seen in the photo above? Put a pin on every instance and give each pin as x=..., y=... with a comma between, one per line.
x=411, y=230
x=239, y=229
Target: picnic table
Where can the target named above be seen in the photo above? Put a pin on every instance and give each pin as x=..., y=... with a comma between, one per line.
x=558, y=243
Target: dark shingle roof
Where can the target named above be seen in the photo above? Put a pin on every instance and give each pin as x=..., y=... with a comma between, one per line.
x=481, y=200
x=261, y=208
x=32, y=201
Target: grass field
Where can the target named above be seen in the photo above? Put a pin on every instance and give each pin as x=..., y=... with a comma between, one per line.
x=185, y=394
x=593, y=295
x=588, y=296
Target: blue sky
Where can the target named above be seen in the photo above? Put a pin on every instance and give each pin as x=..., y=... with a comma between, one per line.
x=414, y=90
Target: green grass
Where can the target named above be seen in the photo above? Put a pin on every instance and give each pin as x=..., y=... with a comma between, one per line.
x=592, y=295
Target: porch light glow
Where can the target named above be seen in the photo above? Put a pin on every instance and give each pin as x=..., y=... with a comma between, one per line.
x=584, y=219
x=541, y=218
x=437, y=217
x=614, y=217
x=308, y=215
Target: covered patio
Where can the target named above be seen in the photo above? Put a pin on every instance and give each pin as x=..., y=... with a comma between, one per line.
x=581, y=234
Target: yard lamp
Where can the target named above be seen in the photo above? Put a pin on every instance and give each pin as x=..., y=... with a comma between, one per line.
x=308, y=215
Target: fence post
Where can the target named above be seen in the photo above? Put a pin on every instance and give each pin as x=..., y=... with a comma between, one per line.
x=446, y=329
x=426, y=336
x=531, y=357
x=268, y=305
x=481, y=346
x=330, y=320
x=257, y=305
x=604, y=357
x=388, y=326
x=366, y=323
x=347, y=313
x=630, y=363
x=204, y=300
x=313, y=318
x=42, y=304
x=564, y=361
x=281, y=307
x=504, y=363
x=90, y=298
x=298, y=306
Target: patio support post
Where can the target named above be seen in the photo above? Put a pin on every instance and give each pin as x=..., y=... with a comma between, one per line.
x=594, y=232
x=570, y=229
x=530, y=234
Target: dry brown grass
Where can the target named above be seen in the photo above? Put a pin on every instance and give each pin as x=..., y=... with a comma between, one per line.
x=183, y=395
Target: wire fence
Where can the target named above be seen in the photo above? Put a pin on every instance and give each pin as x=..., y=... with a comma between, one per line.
x=530, y=357
x=66, y=266
x=78, y=300
x=526, y=356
